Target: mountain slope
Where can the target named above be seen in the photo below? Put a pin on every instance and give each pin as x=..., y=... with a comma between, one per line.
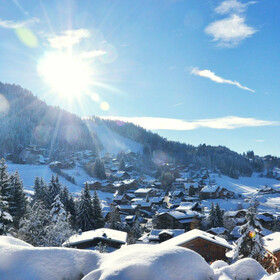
x=26, y=120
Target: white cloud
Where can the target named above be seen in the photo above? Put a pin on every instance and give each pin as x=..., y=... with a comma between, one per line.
x=229, y=122
x=10, y=24
x=229, y=32
x=93, y=54
x=213, y=77
x=68, y=38
x=232, y=6
x=259, y=140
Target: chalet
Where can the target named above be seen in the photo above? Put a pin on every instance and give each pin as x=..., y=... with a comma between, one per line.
x=218, y=231
x=237, y=216
x=121, y=199
x=176, y=193
x=127, y=209
x=266, y=219
x=113, y=239
x=178, y=220
x=144, y=192
x=142, y=203
x=161, y=235
x=272, y=245
x=121, y=175
x=93, y=185
x=209, y=246
x=179, y=183
x=186, y=206
x=209, y=192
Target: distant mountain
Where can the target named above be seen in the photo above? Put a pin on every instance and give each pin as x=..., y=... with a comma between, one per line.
x=26, y=120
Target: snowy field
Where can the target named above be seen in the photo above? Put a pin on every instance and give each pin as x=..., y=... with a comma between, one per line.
x=28, y=173
x=19, y=260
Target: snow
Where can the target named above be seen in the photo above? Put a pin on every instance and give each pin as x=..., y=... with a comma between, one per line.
x=101, y=233
x=209, y=189
x=112, y=142
x=272, y=242
x=196, y=233
x=18, y=260
x=246, y=185
x=138, y=262
x=241, y=270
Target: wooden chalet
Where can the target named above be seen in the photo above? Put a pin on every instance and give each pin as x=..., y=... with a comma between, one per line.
x=272, y=259
x=209, y=246
x=178, y=220
x=114, y=239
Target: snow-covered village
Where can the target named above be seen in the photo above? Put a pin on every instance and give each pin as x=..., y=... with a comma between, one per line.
x=139, y=140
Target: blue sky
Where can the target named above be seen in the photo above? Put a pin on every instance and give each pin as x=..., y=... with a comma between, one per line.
x=196, y=71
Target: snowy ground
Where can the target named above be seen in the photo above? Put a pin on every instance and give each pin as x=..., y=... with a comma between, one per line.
x=28, y=173
x=113, y=142
x=18, y=260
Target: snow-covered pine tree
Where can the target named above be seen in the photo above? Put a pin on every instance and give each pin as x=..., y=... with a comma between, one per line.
x=85, y=218
x=250, y=244
x=5, y=182
x=37, y=189
x=17, y=204
x=54, y=188
x=59, y=229
x=57, y=211
x=99, y=169
x=69, y=205
x=97, y=212
x=114, y=219
x=5, y=217
x=219, y=216
x=33, y=227
x=212, y=216
x=122, y=164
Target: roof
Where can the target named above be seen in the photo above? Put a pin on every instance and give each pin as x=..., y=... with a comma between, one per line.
x=194, y=234
x=272, y=242
x=143, y=190
x=154, y=234
x=218, y=230
x=209, y=189
x=101, y=233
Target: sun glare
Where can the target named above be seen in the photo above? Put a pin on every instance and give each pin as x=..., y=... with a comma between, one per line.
x=66, y=74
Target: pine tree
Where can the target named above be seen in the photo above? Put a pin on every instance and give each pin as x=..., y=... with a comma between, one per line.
x=212, y=216
x=5, y=218
x=114, y=219
x=99, y=169
x=58, y=212
x=69, y=205
x=191, y=190
x=250, y=244
x=85, y=218
x=33, y=227
x=54, y=189
x=17, y=204
x=219, y=216
x=5, y=182
x=97, y=212
x=122, y=164
x=37, y=189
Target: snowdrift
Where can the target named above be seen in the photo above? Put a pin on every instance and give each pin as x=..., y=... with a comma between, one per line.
x=19, y=260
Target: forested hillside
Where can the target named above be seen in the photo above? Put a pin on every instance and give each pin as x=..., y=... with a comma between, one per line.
x=26, y=120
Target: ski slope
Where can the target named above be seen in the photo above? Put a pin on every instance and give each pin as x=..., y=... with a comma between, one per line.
x=112, y=142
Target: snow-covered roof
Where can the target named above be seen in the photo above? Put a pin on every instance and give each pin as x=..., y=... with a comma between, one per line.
x=101, y=233
x=143, y=190
x=218, y=230
x=209, y=189
x=272, y=242
x=154, y=234
x=194, y=234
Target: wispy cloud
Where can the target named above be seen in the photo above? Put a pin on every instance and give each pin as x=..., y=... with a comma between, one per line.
x=177, y=104
x=68, y=38
x=232, y=6
x=229, y=32
x=229, y=122
x=93, y=54
x=213, y=77
x=10, y=24
x=259, y=140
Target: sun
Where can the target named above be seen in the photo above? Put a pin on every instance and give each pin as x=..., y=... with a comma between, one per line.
x=68, y=75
